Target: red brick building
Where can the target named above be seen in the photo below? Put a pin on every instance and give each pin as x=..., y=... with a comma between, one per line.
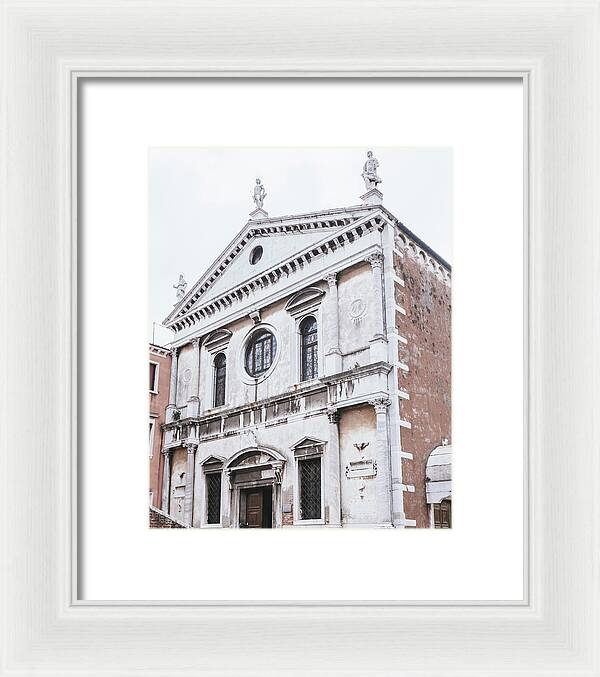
x=160, y=375
x=425, y=296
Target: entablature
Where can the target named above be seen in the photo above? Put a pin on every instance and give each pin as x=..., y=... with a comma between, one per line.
x=355, y=387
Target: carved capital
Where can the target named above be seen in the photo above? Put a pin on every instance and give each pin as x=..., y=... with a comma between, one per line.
x=375, y=259
x=196, y=341
x=333, y=415
x=278, y=470
x=380, y=404
x=331, y=279
x=191, y=447
x=174, y=352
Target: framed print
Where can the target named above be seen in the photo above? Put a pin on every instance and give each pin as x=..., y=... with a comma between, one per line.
x=203, y=196
x=299, y=333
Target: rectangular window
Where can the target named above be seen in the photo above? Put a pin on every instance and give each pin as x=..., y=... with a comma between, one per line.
x=153, y=377
x=309, y=471
x=151, y=432
x=213, y=497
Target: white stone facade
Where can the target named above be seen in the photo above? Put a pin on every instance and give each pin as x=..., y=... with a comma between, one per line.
x=275, y=431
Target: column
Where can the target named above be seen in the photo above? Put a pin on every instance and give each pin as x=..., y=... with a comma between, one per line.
x=332, y=470
x=193, y=406
x=166, y=488
x=188, y=501
x=378, y=343
x=384, y=488
x=333, y=354
x=172, y=386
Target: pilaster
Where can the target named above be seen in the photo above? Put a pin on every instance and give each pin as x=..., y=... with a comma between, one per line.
x=332, y=470
x=384, y=502
x=333, y=354
x=166, y=488
x=226, y=491
x=188, y=500
x=277, y=503
x=172, y=386
x=378, y=342
x=391, y=280
x=193, y=405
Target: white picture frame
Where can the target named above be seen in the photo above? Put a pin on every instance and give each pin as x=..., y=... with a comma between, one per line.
x=49, y=47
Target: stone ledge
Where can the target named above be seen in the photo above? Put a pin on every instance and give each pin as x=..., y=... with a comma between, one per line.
x=160, y=520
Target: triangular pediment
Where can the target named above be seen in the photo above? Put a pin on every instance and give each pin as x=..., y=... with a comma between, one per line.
x=308, y=442
x=213, y=460
x=278, y=238
x=272, y=248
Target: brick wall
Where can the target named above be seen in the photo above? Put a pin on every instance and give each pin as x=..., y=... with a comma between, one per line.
x=160, y=520
x=157, y=405
x=426, y=299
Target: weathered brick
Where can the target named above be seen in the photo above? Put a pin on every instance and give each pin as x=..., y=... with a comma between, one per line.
x=427, y=327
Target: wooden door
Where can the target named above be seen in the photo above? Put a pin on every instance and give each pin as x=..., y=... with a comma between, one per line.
x=442, y=515
x=254, y=509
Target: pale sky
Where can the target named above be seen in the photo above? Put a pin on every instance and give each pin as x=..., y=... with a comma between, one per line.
x=199, y=198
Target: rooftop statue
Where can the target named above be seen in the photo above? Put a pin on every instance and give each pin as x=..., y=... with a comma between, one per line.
x=259, y=194
x=370, y=171
x=180, y=287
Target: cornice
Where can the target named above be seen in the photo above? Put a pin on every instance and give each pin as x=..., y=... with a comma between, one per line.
x=356, y=372
x=324, y=219
x=297, y=391
x=336, y=240
x=159, y=350
x=319, y=275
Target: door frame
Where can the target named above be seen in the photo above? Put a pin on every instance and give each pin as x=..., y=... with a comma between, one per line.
x=264, y=490
x=276, y=509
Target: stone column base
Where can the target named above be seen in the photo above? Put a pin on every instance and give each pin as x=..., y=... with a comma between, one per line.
x=372, y=197
x=193, y=407
x=258, y=214
x=378, y=349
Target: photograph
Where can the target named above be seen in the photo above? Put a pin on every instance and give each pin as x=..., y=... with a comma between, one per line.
x=300, y=337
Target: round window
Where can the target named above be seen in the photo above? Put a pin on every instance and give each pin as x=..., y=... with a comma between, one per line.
x=260, y=352
x=256, y=255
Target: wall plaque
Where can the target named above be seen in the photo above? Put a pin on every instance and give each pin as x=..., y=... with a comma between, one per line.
x=365, y=467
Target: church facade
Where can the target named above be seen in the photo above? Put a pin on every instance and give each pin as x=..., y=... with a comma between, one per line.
x=310, y=375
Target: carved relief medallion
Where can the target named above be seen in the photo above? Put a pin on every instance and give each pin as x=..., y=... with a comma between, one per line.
x=187, y=375
x=358, y=309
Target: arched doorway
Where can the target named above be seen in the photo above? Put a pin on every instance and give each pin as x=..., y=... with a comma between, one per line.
x=438, y=486
x=254, y=481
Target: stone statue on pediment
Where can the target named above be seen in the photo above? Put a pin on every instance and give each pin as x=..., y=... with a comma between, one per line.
x=369, y=174
x=259, y=194
x=180, y=287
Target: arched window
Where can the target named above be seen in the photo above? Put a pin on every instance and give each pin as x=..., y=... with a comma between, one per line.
x=220, y=372
x=260, y=352
x=309, y=356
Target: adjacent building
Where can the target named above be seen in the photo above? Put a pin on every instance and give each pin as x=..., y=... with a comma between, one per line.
x=160, y=379
x=309, y=375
